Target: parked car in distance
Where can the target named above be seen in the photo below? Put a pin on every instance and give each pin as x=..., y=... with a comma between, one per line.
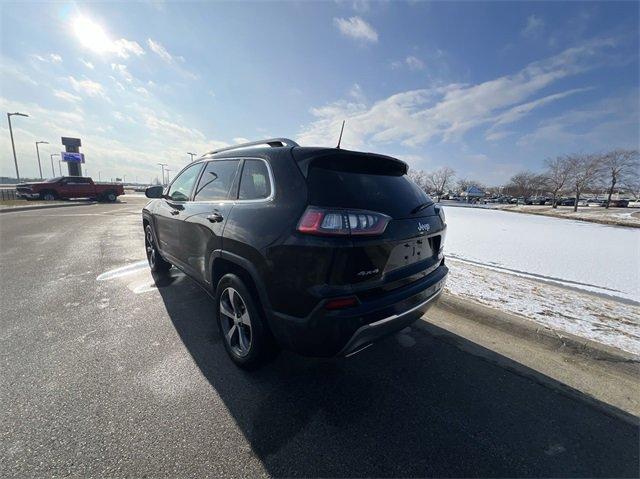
x=66, y=187
x=317, y=250
x=616, y=203
x=567, y=202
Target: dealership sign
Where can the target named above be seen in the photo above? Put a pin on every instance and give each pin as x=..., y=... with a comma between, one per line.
x=72, y=157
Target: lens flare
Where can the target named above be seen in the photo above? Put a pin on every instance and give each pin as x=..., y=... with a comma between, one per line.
x=91, y=35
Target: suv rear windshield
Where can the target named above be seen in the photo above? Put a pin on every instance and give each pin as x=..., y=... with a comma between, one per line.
x=393, y=194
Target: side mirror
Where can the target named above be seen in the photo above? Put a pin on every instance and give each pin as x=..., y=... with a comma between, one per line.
x=154, y=192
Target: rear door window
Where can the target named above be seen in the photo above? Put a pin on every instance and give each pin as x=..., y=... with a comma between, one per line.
x=393, y=194
x=254, y=183
x=216, y=180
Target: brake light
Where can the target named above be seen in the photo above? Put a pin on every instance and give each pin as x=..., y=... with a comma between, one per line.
x=335, y=222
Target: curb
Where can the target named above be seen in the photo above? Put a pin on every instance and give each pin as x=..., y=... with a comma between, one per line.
x=529, y=329
x=44, y=207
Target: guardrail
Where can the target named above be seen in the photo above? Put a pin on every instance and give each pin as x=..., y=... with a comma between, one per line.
x=7, y=194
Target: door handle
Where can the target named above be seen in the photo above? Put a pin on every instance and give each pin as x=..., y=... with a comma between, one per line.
x=175, y=212
x=215, y=218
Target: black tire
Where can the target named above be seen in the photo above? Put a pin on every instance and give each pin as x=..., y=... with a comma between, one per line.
x=156, y=262
x=109, y=197
x=48, y=196
x=261, y=347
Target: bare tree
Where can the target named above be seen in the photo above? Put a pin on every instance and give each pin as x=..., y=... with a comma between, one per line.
x=419, y=177
x=617, y=167
x=441, y=180
x=584, y=172
x=632, y=185
x=525, y=184
x=557, y=175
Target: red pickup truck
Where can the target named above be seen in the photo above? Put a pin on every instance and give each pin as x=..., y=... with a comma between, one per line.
x=65, y=187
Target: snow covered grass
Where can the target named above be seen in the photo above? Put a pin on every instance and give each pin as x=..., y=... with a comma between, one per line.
x=605, y=320
x=578, y=277
x=595, y=214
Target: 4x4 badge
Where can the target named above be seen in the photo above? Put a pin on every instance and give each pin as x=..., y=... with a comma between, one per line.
x=423, y=226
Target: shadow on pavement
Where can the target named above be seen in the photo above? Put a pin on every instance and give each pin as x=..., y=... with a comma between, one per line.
x=412, y=405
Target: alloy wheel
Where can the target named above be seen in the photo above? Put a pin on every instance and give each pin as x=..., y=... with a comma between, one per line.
x=151, y=249
x=236, y=322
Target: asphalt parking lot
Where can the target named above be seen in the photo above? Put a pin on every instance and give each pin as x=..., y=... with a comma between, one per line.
x=107, y=371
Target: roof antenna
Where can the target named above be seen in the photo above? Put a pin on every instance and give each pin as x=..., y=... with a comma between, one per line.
x=340, y=139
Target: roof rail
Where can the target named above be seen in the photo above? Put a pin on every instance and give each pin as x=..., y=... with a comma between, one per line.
x=272, y=142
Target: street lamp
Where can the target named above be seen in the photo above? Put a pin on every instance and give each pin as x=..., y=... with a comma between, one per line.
x=192, y=155
x=162, y=165
x=15, y=159
x=53, y=170
x=168, y=171
x=38, y=153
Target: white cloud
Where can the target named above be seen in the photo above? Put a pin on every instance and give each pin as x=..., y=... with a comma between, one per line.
x=534, y=26
x=356, y=93
x=514, y=114
x=50, y=58
x=123, y=71
x=159, y=50
x=356, y=28
x=596, y=126
x=414, y=63
x=87, y=64
x=125, y=48
x=87, y=87
x=411, y=62
x=447, y=113
x=142, y=90
x=9, y=68
x=65, y=95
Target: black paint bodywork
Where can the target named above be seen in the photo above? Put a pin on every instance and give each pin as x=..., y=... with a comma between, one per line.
x=294, y=274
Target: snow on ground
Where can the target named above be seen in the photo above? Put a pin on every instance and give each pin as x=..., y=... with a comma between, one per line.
x=596, y=318
x=589, y=256
x=583, y=278
x=597, y=214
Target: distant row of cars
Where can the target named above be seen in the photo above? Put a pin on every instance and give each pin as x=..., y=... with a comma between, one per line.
x=543, y=200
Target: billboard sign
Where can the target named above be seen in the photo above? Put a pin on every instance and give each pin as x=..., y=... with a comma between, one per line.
x=72, y=157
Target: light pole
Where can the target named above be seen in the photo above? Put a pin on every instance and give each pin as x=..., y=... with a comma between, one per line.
x=60, y=166
x=192, y=155
x=167, y=170
x=15, y=159
x=53, y=170
x=38, y=153
x=99, y=174
x=162, y=165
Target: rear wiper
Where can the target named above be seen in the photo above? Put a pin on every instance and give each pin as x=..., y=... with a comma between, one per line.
x=421, y=207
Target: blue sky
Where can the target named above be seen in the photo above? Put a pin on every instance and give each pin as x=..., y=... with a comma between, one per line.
x=486, y=88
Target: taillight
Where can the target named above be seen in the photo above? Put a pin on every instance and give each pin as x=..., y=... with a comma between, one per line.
x=326, y=221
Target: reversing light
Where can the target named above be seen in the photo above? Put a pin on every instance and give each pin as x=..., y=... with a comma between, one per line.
x=338, y=222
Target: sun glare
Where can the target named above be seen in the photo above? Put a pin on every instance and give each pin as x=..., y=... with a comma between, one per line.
x=91, y=35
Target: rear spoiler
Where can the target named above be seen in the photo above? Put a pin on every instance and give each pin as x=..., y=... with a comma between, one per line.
x=351, y=161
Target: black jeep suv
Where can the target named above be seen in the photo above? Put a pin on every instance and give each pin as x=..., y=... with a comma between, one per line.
x=317, y=250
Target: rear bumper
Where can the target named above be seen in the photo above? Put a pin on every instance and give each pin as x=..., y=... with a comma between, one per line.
x=342, y=333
